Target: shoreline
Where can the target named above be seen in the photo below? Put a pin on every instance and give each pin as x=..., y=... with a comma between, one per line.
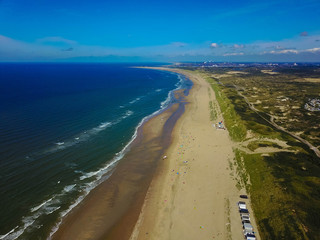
x=113, y=204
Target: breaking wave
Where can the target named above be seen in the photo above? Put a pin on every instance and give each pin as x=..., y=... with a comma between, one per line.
x=82, y=137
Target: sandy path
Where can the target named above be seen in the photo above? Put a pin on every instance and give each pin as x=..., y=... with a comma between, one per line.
x=193, y=195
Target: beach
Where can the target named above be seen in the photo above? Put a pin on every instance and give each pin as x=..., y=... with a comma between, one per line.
x=175, y=183
x=194, y=194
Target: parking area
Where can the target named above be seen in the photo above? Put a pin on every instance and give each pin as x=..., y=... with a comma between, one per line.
x=248, y=230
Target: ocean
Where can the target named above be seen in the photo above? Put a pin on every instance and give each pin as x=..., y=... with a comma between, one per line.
x=63, y=128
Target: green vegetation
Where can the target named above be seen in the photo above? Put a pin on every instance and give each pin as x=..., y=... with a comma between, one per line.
x=213, y=112
x=232, y=121
x=243, y=182
x=284, y=193
x=257, y=144
x=228, y=225
x=281, y=95
x=284, y=186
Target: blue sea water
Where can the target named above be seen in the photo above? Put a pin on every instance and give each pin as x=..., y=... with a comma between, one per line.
x=63, y=127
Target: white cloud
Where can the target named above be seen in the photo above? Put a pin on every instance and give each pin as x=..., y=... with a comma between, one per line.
x=284, y=51
x=179, y=44
x=233, y=54
x=238, y=46
x=310, y=50
x=56, y=39
x=313, y=50
x=214, y=45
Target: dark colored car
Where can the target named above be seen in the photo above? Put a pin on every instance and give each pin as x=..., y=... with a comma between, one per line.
x=245, y=221
x=244, y=196
x=244, y=211
x=250, y=236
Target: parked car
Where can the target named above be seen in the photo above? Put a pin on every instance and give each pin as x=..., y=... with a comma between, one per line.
x=250, y=236
x=244, y=211
x=248, y=227
x=245, y=221
x=245, y=217
x=246, y=232
x=244, y=196
x=242, y=205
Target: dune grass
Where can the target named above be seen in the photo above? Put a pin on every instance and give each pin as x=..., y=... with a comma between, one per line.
x=232, y=121
x=284, y=191
x=258, y=144
x=213, y=112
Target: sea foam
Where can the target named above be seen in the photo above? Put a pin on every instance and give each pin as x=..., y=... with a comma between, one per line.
x=135, y=100
x=41, y=205
x=85, y=135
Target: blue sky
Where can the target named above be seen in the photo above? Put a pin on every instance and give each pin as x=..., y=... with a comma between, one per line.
x=92, y=30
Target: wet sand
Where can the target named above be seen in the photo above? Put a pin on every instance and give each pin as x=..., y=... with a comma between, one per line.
x=111, y=210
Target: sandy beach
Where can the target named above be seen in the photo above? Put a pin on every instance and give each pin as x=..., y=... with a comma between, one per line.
x=194, y=194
